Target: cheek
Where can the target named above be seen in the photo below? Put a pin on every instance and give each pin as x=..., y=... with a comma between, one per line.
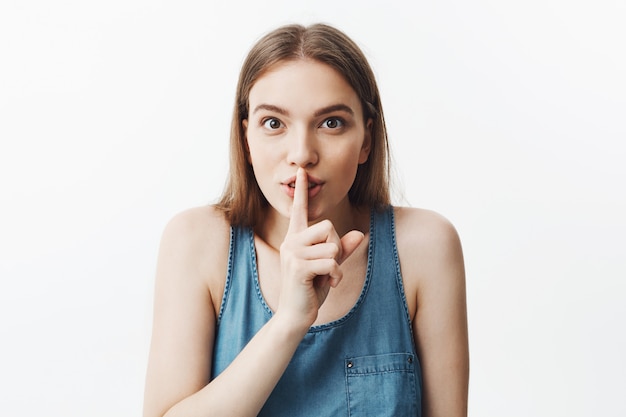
x=354, y=156
x=262, y=159
x=346, y=163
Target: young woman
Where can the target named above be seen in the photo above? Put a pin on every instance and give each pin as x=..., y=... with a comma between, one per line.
x=303, y=292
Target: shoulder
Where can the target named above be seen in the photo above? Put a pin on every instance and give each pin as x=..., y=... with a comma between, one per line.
x=197, y=229
x=429, y=249
x=196, y=242
x=424, y=229
x=193, y=225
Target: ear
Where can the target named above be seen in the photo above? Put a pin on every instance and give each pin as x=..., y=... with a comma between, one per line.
x=367, y=142
x=244, y=124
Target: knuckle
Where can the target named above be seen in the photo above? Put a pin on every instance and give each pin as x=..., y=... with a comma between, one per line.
x=327, y=225
x=331, y=264
x=336, y=272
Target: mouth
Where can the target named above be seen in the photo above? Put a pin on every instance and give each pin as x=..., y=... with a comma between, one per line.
x=313, y=182
x=311, y=185
x=313, y=188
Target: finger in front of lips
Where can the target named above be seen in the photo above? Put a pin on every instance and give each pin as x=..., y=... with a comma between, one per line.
x=299, y=210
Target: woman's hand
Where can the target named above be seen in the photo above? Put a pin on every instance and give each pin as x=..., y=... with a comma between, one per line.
x=310, y=259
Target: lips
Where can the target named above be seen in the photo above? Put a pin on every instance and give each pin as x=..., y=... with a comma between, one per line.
x=315, y=184
x=291, y=181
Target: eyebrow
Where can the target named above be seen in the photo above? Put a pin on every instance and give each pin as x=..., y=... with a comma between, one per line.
x=334, y=108
x=320, y=112
x=271, y=107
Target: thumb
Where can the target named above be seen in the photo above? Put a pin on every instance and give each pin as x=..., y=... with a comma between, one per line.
x=349, y=242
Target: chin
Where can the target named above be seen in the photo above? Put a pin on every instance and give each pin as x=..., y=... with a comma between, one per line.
x=317, y=214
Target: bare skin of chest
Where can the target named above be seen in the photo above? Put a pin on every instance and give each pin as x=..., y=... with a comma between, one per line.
x=340, y=300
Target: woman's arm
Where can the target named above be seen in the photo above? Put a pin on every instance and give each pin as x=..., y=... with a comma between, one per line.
x=184, y=316
x=193, y=260
x=434, y=274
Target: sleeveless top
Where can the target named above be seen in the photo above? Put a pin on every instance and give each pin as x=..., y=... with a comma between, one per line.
x=363, y=364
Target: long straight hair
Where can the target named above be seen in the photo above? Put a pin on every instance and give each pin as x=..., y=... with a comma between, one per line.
x=242, y=200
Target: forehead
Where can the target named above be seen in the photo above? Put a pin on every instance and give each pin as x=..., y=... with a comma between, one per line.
x=303, y=86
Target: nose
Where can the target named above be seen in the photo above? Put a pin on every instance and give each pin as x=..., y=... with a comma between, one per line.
x=302, y=148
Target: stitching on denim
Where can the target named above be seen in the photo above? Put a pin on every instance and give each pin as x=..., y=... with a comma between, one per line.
x=255, y=273
x=399, y=283
x=228, y=275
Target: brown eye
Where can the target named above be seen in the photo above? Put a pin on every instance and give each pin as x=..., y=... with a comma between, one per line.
x=333, y=123
x=272, y=124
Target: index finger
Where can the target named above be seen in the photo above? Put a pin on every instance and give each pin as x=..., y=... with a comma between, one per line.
x=299, y=219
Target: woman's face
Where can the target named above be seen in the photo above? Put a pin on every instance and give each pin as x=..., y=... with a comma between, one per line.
x=304, y=114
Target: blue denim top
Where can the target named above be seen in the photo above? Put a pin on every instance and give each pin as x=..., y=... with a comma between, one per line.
x=363, y=364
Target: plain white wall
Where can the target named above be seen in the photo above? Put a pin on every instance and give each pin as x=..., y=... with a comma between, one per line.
x=506, y=117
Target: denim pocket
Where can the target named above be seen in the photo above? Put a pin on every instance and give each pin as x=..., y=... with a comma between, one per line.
x=382, y=385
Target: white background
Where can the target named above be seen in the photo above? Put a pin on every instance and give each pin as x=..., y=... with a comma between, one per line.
x=505, y=116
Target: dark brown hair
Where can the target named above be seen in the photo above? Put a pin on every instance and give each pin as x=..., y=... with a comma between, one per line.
x=242, y=200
